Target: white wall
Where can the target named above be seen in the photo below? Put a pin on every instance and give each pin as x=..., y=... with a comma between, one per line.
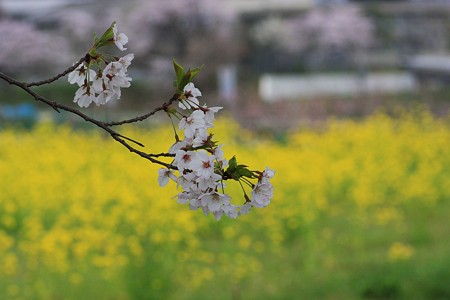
x=274, y=87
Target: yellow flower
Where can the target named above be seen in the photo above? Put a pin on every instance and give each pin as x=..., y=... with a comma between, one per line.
x=400, y=251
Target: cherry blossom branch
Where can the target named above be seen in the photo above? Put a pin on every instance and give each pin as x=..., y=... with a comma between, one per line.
x=114, y=134
x=143, y=117
x=50, y=80
x=197, y=158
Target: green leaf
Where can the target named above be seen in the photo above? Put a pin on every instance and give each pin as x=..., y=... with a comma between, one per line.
x=95, y=38
x=232, y=163
x=235, y=176
x=106, y=38
x=195, y=72
x=236, y=171
x=184, y=80
x=244, y=172
x=179, y=71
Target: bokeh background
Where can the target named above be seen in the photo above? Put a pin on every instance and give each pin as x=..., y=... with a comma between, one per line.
x=347, y=100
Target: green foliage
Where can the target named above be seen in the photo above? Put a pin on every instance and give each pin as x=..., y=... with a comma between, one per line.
x=236, y=171
x=183, y=78
x=105, y=40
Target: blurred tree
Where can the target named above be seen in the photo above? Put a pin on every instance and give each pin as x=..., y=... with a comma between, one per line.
x=27, y=50
x=328, y=37
x=193, y=31
x=79, y=24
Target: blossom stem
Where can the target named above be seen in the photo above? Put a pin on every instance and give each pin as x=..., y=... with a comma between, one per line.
x=192, y=104
x=248, y=182
x=174, y=129
x=185, y=106
x=243, y=189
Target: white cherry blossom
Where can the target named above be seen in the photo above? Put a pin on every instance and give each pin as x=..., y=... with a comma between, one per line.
x=214, y=201
x=210, y=115
x=190, y=101
x=191, y=123
x=84, y=96
x=183, y=159
x=267, y=175
x=125, y=61
x=220, y=158
x=245, y=208
x=261, y=194
x=230, y=211
x=115, y=75
x=183, y=197
x=81, y=75
x=200, y=137
x=164, y=175
x=188, y=182
x=104, y=97
x=103, y=86
x=203, y=164
x=211, y=183
x=178, y=145
x=194, y=203
x=119, y=39
x=218, y=214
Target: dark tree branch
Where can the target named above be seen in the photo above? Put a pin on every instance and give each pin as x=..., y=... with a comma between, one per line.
x=105, y=126
x=131, y=140
x=143, y=117
x=50, y=80
x=162, y=155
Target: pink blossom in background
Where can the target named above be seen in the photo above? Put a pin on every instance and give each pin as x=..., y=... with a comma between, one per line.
x=191, y=30
x=157, y=25
x=27, y=50
x=274, y=32
x=78, y=26
x=343, y=27
x=79, y=23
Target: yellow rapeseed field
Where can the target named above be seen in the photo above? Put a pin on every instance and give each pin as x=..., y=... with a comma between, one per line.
x=82, y=217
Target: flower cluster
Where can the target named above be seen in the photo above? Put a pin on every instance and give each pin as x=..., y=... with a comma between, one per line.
x=198, y=159
x=104, y=85
x=202, y=166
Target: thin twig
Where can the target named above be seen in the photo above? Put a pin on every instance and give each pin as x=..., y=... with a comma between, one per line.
x=50, y=80
x=58, y=106
x=162, y=155
x=143, y=117
x=131, y=140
